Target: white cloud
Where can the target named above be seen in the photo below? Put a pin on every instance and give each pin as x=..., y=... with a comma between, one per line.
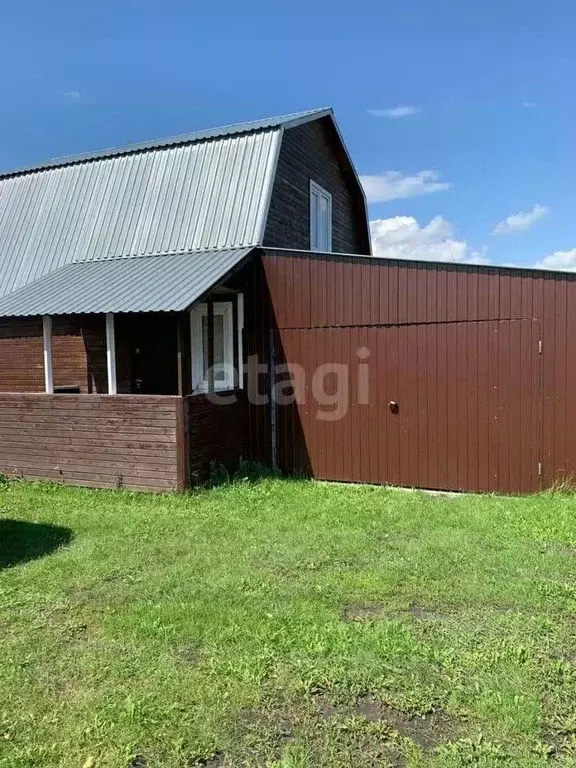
x=401, y=237
x=393, y=185
x=72, y=95
x=528, y=104
x=518, y=222
x=563, y=260
x=395, y=112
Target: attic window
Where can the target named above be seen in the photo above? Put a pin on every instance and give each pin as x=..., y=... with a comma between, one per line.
x=320, y=218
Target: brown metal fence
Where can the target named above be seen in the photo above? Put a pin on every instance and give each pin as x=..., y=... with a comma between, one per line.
x=480, y=362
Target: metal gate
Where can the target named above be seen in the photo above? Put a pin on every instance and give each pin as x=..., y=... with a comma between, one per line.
x=453, y=406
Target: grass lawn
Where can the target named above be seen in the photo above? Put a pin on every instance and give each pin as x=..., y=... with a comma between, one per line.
x=285, y=623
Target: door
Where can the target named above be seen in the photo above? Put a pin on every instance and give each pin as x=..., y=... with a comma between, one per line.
x=452, y=406
x=468, y=414
x=153, y=355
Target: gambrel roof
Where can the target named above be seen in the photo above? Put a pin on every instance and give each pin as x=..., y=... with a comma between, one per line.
x=207, y=191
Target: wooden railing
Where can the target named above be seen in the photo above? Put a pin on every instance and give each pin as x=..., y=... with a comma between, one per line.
x=124, y=441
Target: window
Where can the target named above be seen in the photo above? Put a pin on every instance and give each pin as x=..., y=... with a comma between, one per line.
x=224, y=374
x=320, y=218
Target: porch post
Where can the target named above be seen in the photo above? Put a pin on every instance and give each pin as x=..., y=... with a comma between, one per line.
x=240, y=362
x=48, y=370
x=210, y=319
x=111, y=354
x=184, y=354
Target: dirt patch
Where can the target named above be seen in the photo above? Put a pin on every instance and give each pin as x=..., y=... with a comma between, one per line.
x=568, y=657
x=360, y=613
x=427, y=731
x=556, y=742
x=278, y=726
x=188, y=654
x=74, y=631
x=138, y=761
x=326, y=708
x=420, y=613
x=505, y=609
x=556, y=548
x=214, y=760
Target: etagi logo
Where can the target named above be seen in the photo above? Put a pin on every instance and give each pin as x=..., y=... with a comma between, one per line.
x=326, y=388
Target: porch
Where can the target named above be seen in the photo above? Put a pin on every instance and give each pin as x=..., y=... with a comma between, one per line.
x=138, y=353
x=126, y=399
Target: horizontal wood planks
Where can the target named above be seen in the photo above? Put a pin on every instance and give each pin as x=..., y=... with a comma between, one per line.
x=21, y=355
x=79, y=353
x=216, y=431
x=313, y=151
x=124, y=441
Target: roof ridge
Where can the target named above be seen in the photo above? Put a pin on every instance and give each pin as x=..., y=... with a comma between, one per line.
x=160, y=255
x=203, y=134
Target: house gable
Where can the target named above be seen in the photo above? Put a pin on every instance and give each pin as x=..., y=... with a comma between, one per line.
x=314, y=152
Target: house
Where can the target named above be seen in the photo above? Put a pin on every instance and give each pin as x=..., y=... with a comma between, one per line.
x=212, y=296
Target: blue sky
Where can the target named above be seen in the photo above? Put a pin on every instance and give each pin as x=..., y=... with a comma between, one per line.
x=491, y=87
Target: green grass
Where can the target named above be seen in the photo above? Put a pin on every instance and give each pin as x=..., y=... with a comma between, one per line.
x=286, y=624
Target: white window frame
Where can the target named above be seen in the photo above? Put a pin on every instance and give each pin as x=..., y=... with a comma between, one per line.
x=316, y=191
x=225, y=309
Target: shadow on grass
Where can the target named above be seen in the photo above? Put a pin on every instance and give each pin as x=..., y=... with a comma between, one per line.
x=21, y=541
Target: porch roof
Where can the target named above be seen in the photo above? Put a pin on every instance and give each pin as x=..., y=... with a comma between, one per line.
x=138, y=284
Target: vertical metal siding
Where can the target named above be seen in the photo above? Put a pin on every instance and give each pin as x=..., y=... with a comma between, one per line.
x=456, y=346
x=185, y=198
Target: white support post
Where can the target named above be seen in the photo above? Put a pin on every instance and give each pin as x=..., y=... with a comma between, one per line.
x=240, y=300
x=111, y=354
x=48, y=371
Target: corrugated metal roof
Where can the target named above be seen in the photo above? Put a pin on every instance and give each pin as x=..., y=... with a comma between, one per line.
x=213, y=194
x=286, y=121
x=146, y=284
x=201, y=191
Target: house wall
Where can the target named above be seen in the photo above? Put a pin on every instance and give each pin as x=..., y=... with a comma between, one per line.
x=78, y=348
x=146, y=348
x=21, y=355
x=79, y=352
x=311, y=151
x=216, y=432
x=439, y=329
x=139, y=442
x=105, y=441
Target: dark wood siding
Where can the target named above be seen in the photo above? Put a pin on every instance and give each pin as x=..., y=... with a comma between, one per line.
x=216, y=431
x=21, y=355
x=79, y=352
x=101, y=441
x=443, y=339
x=146, y=349
x=312, y=151
x=257, y=324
